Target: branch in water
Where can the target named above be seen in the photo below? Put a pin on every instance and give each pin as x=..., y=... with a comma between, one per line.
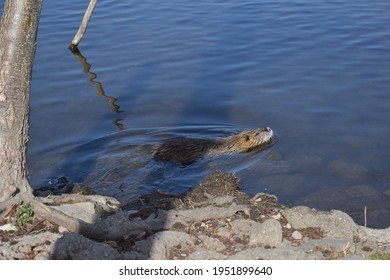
x=80, y=33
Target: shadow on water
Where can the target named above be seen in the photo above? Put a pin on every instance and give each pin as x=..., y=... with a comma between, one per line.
x=216, y=81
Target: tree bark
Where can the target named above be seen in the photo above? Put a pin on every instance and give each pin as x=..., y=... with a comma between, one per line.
x=18, y=31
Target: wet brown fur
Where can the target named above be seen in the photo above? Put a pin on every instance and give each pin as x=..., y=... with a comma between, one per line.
x=188, y=150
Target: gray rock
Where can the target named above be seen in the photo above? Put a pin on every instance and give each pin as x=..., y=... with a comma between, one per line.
x=104, y=204
x=278, y=253
x=210, y=243
x=379, y=235
x=43, y=255
x=118, y=218
x=158, y=246
x=223, y=232
x=62, y=229
x=334, y=223
x=354, y=257
x=297, y=235
x=9, y=253
x=337, y=245
x=268, y=233
x=74, y=246
x=221, y=200
x=170, y=219
x=25, y=249
x=44, y=242
x=8, y=227
x=203, y=254
x=84, y=211
x=202, y=214
x=365, y=248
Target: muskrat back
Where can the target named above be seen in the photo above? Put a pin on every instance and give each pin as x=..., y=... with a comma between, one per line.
x=188, y=150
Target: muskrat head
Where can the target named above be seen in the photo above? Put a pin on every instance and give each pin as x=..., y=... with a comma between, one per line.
x=252, y=139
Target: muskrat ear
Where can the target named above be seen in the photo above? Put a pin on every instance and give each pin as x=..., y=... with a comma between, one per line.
x=247, y=138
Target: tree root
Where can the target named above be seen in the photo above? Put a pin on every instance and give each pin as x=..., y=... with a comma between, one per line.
x=100, y=229
x=43, y=211
x=99, y=224
x=169, y=219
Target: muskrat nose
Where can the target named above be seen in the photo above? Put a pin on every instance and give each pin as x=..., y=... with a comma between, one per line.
x=267, y=129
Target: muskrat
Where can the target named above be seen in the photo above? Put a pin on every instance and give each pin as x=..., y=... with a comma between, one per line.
x=188, y=150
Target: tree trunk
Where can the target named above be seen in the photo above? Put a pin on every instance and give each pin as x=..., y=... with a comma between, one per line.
x=18, y=30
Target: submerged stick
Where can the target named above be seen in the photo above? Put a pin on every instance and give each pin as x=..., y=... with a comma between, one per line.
x=83, y=26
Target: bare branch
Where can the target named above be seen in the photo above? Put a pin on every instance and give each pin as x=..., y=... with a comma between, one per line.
x=80, y=33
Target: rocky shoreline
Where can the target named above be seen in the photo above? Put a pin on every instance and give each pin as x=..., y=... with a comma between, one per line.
x=213, y=220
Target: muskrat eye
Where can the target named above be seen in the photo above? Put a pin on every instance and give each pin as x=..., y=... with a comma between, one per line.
x=247, y=138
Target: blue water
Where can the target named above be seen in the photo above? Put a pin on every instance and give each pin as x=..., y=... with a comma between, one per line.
x=316, y=72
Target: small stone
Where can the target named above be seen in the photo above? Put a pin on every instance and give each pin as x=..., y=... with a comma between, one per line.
x=159, y=244
x=203, y=254
x=42, y=256
x=223, y=232
x=25, y=249
x=8, y=227
x=39, y=248
x=334, y=246
x=335, y=223
x=297, y=235
x=277, y=216
x=287, y=226
x=62, y=229
x=268, y=232
x=210, y=243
